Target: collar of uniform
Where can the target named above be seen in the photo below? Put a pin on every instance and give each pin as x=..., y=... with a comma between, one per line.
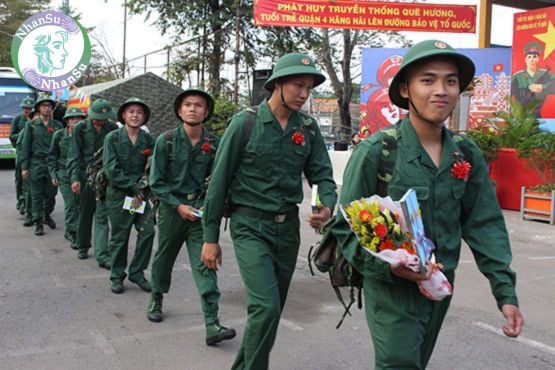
x=125, y=137
x=264, y=113
x=182, y=135
x=449, y=147
x=295, y=120
x=410, y=143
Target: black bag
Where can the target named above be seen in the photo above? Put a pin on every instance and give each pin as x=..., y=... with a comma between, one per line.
x=327, y=257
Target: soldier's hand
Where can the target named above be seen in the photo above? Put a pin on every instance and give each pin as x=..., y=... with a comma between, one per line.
x=515, y=321
x=404, y=272
x=536, y=88
x=211, y=255
x=76, y=187
x=316, y=220
x=55, y=182
x=186, y=212
x=138, y=199
x=25, y=174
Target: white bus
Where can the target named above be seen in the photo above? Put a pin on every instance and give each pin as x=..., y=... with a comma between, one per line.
x=12, y=91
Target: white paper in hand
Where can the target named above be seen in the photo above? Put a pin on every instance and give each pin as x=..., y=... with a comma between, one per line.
x=128, y=205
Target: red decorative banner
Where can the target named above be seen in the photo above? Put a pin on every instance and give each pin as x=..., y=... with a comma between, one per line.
x=366, y=15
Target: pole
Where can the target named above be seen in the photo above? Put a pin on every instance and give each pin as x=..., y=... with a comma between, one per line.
x=237, y=46
x=124, y=36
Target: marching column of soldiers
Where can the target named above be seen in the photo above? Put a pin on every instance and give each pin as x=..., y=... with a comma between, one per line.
x=120, y=178
x=103, y=173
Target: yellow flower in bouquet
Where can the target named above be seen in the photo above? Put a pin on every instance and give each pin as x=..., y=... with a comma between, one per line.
x=377, y=227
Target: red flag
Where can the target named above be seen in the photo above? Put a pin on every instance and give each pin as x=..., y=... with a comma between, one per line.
x=498, y=67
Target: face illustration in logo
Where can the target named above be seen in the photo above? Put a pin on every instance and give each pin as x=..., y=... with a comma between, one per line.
x=51, y=52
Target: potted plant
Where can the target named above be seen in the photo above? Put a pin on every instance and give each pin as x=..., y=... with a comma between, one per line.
x=488, y=140
x=510, y=172
x=538, y=202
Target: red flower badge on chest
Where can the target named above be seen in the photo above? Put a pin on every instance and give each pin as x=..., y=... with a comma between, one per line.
x=205, y=147
x=147, y=152
x=50, y=130
x=298, y=137
x=461, y=168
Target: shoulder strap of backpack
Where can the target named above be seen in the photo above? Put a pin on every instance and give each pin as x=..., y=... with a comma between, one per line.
x=387, y=159
x=249, y=124
x=168, y=136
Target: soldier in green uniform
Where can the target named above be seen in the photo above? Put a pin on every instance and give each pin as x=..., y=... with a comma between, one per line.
x=403, y=323
x=87, y=139
x=533, y=83
x=57, y=166
x=125, y=155
x=261, y=174
x=181, y=163
x=26, y=207
x=37, y=138
x=18, y=125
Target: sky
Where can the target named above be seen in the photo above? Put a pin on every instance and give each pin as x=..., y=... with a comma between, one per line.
x=143, y=37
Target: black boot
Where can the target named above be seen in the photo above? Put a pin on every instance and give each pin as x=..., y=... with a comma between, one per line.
x=50, y=222
x=39, y=230
x=28, y=221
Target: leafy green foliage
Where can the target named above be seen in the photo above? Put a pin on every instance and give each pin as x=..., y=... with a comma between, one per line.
x=223, y=111
x=539, y=152
x=488, y=141
x=517, y=124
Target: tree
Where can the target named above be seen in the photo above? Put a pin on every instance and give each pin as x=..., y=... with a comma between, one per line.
x=12, y=14
x=213, y=20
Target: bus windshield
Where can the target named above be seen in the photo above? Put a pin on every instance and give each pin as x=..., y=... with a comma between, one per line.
x=12, y=92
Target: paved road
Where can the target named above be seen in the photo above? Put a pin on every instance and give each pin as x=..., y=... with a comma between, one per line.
x=57, y=312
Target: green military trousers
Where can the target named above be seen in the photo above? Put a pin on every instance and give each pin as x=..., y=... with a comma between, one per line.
x=121, y=222
x=403, y=323
x=43, y=193
x=27, y=199
x=266, y=253
x=89, y=206
x=173, y=231
x=71, y=213
x=19, y=195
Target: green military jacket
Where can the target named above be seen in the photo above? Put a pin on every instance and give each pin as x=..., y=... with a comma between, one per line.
x=57, y=156
x=124, y=162
x=18, y=125
x=179, y=170
x=452, y=209
x=521, y=81
x=266, y=171
x=85, y=141
x=37, y=138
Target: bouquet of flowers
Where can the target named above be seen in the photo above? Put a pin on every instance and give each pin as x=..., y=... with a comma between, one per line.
x=383, y=231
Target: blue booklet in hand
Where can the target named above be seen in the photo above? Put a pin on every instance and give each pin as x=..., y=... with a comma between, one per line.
x=415, y=226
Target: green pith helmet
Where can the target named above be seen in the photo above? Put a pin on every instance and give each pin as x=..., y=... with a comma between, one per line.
x=533, y=48
x=28, y=102
x=74, y=112
x=426, y=50
x=179, y=99
x=101, y=110
x=43, y=98
x=294, y=64
x=133, y=101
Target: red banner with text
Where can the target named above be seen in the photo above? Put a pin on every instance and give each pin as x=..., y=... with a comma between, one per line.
x=366, y=15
